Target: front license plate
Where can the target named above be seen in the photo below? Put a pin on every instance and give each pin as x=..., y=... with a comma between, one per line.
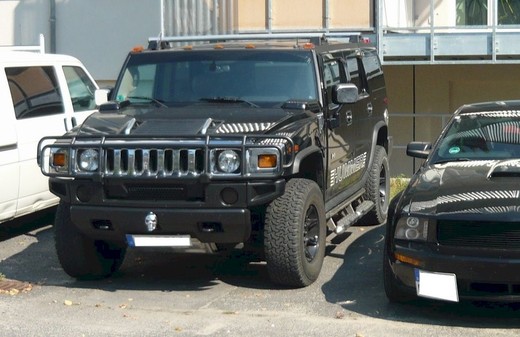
x=158, y=240
x=442, y=286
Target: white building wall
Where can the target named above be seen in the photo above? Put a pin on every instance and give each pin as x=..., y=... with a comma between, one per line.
x=101, y=33
x=22, y=21
x=98, y=32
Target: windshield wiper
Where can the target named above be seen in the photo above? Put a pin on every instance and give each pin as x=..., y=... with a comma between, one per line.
x=452, y=159
x=150, y=99
x=228, y=99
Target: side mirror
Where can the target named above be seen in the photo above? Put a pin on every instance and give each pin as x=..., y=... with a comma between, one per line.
x=101, y=96
x=418, y=149
x=345, y=93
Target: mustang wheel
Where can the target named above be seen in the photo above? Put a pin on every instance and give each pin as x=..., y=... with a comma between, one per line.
x=295, y=233
x=80, y=256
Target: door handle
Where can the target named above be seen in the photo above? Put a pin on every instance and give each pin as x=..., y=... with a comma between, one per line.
x=348, y=117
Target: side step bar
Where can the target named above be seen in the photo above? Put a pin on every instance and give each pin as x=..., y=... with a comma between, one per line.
x=349, y=215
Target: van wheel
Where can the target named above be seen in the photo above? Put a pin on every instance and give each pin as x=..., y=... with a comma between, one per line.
x=294, y=235
x=378, y=188
x=80, y=256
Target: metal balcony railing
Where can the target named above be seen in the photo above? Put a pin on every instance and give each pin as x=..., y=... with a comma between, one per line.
x=428, y=42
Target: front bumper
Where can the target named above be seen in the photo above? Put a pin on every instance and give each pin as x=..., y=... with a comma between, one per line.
x=211, y=212
x=488, y=277
x=206, y=225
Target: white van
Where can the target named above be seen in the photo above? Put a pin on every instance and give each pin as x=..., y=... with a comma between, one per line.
x=40, y=95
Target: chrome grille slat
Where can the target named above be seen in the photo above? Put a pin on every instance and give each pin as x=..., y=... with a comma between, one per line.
x=128, y=162
x=191, y=161
x=160, y=162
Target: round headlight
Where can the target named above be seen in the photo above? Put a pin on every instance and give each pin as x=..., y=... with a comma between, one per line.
x=228, y=161
x=89, y=160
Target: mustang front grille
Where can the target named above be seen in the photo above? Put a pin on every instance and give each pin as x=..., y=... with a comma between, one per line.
x=479, y=234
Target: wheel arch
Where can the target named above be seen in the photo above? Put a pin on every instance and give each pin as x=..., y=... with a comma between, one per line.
x=308, y=164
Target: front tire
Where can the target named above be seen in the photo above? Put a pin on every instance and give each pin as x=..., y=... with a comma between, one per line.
x=392, y=290
x=294, y=235
x=80, y=256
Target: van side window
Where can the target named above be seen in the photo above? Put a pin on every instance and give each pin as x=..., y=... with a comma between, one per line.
x=35, y=91
x=81, y=88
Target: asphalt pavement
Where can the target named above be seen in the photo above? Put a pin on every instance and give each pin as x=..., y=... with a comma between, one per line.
x=161, y=293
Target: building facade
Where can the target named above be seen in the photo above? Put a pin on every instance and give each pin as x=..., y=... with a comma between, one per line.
x=437, y=54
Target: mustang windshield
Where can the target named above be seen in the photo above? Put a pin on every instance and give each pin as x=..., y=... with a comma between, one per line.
x=480, y=136
x=263, y=78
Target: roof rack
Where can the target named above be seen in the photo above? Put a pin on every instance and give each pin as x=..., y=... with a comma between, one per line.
x=163, y=42
x=37, y=48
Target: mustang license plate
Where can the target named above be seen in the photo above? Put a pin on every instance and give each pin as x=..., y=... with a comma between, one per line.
x=442, y=286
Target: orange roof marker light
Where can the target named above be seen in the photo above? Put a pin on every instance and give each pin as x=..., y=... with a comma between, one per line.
x=250, y=46
x=137, y=49
x=188, y=47
x=219, y=46
x=309, y=45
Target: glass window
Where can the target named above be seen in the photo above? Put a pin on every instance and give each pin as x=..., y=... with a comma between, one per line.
x=508, y=12
x=264, y=78
x=81, y=88
x=35, y=91
x=472, y=12
x=331, y=76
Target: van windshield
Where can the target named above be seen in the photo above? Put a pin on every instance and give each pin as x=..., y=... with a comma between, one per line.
x=259, y=78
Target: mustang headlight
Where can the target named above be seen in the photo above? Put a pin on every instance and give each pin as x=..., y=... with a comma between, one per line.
x=88, y=160
x=228, y=161
x=412, y=228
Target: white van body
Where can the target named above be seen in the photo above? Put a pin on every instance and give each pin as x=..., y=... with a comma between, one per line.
x=40, y=95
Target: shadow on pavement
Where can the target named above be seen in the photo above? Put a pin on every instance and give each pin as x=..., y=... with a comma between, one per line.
x=35, y=261
x=357, y=286
x=26, y=223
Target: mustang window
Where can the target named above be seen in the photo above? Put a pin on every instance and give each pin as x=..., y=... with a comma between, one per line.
x=480, y=138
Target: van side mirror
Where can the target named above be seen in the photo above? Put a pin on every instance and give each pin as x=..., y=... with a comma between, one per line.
x=101, y=96
x=345, y=93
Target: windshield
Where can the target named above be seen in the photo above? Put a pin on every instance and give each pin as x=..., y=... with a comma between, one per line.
x=258, y=78
x=480, y=136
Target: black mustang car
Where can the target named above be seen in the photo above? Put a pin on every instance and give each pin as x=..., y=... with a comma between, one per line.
x=454, y=232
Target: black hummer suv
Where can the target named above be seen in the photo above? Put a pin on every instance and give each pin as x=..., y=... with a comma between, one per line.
x=272, y=144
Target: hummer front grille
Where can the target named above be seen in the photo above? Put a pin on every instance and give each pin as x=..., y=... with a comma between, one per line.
x=122, y=162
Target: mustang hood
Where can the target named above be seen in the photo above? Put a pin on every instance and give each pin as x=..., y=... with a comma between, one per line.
x=189, y=121
x=473, y=187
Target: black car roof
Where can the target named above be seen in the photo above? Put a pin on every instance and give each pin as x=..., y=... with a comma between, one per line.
x=492, y=106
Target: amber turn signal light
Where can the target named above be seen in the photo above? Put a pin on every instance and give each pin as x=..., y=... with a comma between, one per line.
x=59, y=159
x=267, y=161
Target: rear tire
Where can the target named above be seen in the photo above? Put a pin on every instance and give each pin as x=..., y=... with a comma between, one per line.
x=80, y=256
x=378, y=188
x=294, y=237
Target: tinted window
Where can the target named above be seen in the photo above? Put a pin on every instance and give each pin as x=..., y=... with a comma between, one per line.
x=35, y=91
x=262, y=77
x=81, y=88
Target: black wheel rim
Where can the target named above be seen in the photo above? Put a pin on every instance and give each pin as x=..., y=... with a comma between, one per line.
x=311, y=233
x=383, y=186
